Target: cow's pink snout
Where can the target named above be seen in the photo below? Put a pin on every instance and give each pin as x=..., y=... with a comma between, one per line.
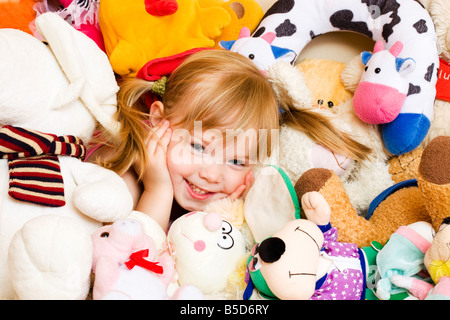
x=377, y=103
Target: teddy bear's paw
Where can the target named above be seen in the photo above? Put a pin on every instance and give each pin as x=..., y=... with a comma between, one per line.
x=51, y=258
x=105, y=200
x=435, y=165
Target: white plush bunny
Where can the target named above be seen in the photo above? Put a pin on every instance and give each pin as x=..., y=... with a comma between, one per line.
x=53, y=95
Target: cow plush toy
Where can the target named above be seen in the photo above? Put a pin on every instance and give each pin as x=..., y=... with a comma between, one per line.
x=294, y=23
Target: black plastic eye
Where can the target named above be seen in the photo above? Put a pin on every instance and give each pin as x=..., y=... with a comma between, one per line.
x=377, y=70
x=320, y=102
x=271, y=249
x=105, y=235
x=251, y=56
x=330, y=104
x=365, y=69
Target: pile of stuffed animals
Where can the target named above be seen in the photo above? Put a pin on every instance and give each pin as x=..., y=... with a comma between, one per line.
x=313, y=217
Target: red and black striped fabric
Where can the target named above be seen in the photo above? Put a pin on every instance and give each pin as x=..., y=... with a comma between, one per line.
x=34, y=170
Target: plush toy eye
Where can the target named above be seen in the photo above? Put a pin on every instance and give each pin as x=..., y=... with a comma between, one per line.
x=255, y=264
x=251, y=56
x=377, y=70
x=226, y=241
x=104, y=235
x=271, y=249
x=330, y=104
x=365, y=69
x=320, y=102
x=226, y=227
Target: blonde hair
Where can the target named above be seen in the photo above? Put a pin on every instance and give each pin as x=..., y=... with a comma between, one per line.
x=319, y=128
x=209, y=86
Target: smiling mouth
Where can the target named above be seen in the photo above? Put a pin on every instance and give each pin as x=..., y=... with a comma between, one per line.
x=197, y=189
x=198, y=193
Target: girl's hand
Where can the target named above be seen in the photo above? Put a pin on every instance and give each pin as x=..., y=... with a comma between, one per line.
x=243, y=189
x=156, y=173
x=157, y=196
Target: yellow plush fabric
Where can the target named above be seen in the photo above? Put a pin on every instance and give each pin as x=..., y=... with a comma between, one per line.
x=133, y=37
x=243, y=13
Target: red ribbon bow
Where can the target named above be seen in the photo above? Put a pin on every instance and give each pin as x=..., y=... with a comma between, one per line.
x=137, y=258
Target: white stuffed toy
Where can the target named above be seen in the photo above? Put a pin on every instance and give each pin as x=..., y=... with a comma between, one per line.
x=207, y=251
x=52, y=97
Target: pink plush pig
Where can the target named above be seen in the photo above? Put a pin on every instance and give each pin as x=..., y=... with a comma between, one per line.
x=125, y=266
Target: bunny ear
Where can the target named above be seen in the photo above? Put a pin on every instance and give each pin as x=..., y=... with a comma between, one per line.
x=87, y=68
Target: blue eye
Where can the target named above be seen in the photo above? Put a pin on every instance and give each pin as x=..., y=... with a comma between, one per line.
x=236, y=162
x=197, y=147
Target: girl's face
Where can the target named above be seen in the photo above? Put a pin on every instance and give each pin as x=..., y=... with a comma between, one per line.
x=205, y=167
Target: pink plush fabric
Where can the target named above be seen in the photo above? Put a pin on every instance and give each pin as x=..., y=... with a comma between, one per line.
x=377, y=103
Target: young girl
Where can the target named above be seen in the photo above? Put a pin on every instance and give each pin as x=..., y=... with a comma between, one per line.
x=203, y=138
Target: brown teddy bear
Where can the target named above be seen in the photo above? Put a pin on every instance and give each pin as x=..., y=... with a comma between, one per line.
x=426, y=198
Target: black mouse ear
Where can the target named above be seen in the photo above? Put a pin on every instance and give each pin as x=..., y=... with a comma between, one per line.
x=271, y=249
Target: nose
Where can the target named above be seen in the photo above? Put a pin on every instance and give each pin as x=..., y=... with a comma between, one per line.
x=212, y=221
x=211, y=172
x=377, y=103
x=161, y=8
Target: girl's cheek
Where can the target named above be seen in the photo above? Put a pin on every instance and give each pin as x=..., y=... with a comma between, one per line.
x=234, y=179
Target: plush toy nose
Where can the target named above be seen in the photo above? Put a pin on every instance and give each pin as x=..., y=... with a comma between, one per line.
x=212, y=221
x=376, y=103
x=161, y=8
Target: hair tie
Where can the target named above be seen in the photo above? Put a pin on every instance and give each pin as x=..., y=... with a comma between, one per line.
x=159, y=86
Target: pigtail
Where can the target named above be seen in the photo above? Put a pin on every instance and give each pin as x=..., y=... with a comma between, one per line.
x=321, y=129
x=132, y=113
x=296, y=111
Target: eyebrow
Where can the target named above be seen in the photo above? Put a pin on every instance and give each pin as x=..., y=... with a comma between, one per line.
x=298, y=229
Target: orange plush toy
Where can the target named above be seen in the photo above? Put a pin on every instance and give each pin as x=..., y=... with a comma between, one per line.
x=426, y=198
x=17, y=14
